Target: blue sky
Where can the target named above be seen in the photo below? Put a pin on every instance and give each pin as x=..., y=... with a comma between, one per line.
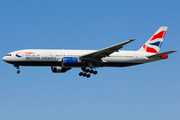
x=149, y=91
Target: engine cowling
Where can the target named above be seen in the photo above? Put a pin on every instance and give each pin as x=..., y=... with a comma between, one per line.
x=59, y=69
x=70, y=61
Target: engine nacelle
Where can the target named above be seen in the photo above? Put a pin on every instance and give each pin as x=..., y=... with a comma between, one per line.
x=70, y=61
x=59, y=69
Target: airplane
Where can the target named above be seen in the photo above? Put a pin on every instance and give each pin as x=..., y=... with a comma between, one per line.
x=63, y=60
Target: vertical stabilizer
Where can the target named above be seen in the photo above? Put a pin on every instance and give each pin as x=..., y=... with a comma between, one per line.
x=153, y=45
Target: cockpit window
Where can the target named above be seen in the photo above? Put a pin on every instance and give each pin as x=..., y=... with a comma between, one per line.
x=8, y=55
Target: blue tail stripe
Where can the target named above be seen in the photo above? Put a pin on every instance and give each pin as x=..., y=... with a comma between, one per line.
x=158, y=44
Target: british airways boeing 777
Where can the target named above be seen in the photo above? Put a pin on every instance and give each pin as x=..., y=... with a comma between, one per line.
x=64, y=60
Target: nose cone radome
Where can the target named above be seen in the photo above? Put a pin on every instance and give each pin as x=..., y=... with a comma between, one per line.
x=4, y=58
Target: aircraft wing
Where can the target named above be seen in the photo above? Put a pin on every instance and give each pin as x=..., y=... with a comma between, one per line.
x=96, y=56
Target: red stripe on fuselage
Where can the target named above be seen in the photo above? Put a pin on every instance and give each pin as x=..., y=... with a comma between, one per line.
x=26, y=53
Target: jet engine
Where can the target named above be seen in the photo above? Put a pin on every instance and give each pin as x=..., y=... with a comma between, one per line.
x=70, y=61
x=59, y=69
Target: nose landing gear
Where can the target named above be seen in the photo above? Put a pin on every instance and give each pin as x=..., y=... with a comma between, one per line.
x=18, y=71
x=17, y=67
x=87, y=71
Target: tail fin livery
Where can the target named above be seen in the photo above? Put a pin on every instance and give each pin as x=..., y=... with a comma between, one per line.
x=154, y=43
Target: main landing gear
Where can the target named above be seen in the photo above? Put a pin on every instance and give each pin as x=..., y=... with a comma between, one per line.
x=17, y=67
x=86, y=71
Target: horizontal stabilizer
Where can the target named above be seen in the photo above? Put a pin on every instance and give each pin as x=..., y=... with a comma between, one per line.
x=161, y=54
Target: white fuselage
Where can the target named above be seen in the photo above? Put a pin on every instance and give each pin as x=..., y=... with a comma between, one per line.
x=47, y=57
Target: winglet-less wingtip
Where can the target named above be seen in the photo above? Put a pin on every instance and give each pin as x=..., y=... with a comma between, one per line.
x=132, y=39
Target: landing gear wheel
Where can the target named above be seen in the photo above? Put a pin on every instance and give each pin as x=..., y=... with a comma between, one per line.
x=81, y=73
x=95, y=72
x=91, y=71
x=88, y=75
x=84, y=75
x=87, y=70
x=83, y=69
x=18, y=71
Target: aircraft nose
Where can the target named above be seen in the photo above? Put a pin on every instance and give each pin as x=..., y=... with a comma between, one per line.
x=4, y=58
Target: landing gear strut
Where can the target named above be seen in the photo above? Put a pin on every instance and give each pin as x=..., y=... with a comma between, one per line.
x=17, y=67
x=87, y=71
